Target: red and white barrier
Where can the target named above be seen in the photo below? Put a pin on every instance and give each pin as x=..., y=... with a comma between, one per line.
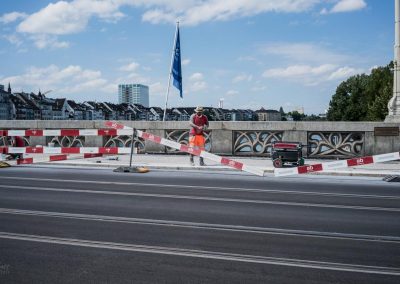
x=188, y=149
x=337, y=164
x=53, y=158
x=66, y=132
x=61, y=150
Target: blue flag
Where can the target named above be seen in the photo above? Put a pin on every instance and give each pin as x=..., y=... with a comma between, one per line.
x=176, y=66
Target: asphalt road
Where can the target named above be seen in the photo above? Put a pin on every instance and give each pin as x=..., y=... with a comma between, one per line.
x=69, y=225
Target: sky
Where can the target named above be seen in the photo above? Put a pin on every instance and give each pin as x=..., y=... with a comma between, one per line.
x=248, y=53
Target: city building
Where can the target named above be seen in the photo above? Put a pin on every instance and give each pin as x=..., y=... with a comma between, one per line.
x=268, y=115
x=5, y=105
x=133, y=94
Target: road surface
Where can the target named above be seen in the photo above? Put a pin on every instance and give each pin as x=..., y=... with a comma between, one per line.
x=72, y=225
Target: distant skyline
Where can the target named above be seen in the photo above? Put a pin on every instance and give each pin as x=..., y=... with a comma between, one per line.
x=251, y=53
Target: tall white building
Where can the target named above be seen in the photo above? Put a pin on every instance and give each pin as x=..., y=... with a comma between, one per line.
x=133, y=94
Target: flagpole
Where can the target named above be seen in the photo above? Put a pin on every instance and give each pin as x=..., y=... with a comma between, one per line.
x=170, y=71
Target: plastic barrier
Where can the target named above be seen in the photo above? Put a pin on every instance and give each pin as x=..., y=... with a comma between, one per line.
x=62, y=150
x=66, y=132
x=337, y=164
x=54, y=158
x=187, y=149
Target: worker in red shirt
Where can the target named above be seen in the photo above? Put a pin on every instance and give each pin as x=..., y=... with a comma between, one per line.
x=198, y=123
x=17, y=141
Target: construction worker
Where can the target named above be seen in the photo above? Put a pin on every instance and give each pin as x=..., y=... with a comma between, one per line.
x=198, y=123
x=17, y=141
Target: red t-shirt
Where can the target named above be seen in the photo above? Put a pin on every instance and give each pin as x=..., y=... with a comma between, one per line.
x=19, y=141
x=199, y=121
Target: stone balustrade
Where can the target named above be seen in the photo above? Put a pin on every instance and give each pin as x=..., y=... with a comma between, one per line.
x=321, y=139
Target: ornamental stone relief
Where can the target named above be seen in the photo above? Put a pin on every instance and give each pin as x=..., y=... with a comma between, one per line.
x=335, y=144
x=67, y=141
x=124, y=141
x=6, y=141
x=255, y=142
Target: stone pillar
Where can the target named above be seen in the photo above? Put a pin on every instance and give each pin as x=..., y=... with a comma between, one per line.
x=221, y=141
x=94, y=141
x=394, y=102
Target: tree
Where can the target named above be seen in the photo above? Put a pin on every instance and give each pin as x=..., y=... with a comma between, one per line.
x=363, y=97
x=296, y=115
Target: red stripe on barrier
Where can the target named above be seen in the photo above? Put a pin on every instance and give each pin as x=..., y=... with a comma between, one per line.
x=114, y=125
x=25, y=161
x=4, y=150
x=151, y=137
x=285, y=145
x=3, y=132
x=232, y=163
x=34, y=150
x=107, y=132
x=88, y=155
x=309, y=168
x=58, y=158
x=69, y=132
x=72, y=150
x=34, y=132
x=360, y=161
x=188, y=149
x=108, y=150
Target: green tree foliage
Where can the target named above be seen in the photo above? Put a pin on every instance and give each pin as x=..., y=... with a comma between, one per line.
x=296, y=115
x=363, y=97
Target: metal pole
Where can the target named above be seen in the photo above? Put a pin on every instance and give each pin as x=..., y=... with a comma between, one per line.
x=133, y=136
x=170, y=71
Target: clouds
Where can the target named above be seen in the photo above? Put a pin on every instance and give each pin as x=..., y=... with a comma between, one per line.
x=133, y=66
x=311, y=75
x=309, y=64
x=64, y=18
x=303, y=52
x=346, y=6
x=242, y=77
x=65, y=81
x=196, y=82
x=220, y=10
x=12, y=17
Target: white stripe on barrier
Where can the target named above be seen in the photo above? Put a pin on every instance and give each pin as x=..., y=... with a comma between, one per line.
x=16, y=132
x=16, y=150
x=51, y=150
x=88, y=132
x=127, y=131
x=212, y=157
x=386, y=157
x=334, y=165
x=51, y=132
x=89, y=150
x=171, y=144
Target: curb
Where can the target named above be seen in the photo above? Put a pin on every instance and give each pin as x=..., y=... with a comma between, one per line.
x=217, y=167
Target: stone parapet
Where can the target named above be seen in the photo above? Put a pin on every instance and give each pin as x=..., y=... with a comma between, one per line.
x=326, y=139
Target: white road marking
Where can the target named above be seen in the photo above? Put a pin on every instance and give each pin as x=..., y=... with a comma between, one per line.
x=216, y=188
x=188, y=197
x=204, y=226
x=206, y=254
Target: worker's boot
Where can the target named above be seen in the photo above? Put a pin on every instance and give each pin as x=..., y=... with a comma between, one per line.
x=191, y=160
x=202, y=162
